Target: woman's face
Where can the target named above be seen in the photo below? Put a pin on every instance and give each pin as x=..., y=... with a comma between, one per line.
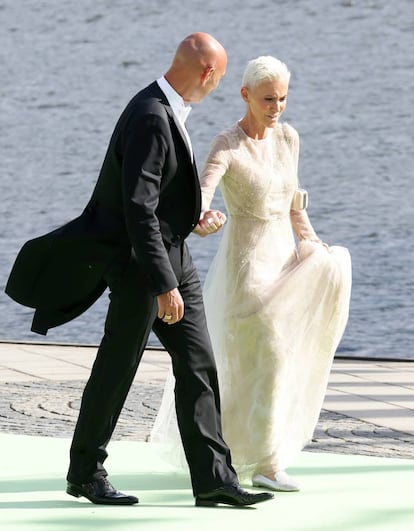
x=266, y=101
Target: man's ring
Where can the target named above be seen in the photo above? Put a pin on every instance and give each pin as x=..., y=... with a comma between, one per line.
x=210, y=221
x=168, y=317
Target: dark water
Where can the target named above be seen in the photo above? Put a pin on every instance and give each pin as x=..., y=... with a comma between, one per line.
x=68, y=68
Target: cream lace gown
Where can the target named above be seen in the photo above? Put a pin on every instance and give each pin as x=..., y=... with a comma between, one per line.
x=276, y=310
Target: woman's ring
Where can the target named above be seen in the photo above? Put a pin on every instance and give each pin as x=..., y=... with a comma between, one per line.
x=210, y=221
x=168, y=317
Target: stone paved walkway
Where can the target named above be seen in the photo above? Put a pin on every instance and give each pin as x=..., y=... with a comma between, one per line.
x=40, y=395
x=50, y=408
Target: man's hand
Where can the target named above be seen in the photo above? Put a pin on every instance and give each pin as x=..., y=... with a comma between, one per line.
x=210, y=222
x=170, y=306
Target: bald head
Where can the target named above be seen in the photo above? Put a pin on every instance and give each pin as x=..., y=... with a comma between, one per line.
x=199, y=49
x=198, y=65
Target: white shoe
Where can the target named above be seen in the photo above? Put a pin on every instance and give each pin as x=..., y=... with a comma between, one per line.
x=282, y=482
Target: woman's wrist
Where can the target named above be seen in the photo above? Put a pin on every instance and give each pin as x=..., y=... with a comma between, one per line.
x=314, y=239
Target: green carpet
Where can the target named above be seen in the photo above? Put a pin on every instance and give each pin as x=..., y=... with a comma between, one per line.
x=339, y=493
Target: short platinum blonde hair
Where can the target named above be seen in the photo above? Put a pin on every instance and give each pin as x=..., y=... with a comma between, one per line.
x=264, y=68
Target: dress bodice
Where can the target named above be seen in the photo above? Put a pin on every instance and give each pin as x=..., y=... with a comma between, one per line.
x=257, y=177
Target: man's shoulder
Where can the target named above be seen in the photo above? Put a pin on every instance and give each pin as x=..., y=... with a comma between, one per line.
x=148, y=102
x=149, y=97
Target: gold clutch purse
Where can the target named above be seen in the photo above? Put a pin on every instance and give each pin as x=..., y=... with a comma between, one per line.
x=300, y=199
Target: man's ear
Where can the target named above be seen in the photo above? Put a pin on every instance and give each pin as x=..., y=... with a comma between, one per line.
x=206, y=74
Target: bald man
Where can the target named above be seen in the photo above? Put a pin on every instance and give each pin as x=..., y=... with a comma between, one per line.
x=131, y=238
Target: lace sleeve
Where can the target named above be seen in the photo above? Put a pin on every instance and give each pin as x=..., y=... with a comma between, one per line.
x=302, y=226
x=299, y=218
x=292, y=139
x=215, y=167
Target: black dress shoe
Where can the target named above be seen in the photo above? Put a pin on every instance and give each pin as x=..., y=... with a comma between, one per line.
x=100, y=491
x=231, y=495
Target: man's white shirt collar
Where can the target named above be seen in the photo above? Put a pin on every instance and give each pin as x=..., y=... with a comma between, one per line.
x=180, y=109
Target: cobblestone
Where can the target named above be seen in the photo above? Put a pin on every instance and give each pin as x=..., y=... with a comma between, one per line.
x=50, y=408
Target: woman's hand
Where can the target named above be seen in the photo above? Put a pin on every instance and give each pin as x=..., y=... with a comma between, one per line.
x=317, y=240
x=210, y=222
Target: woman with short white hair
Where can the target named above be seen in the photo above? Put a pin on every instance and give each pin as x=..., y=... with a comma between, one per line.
x=263, y=68
x=276, y=296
